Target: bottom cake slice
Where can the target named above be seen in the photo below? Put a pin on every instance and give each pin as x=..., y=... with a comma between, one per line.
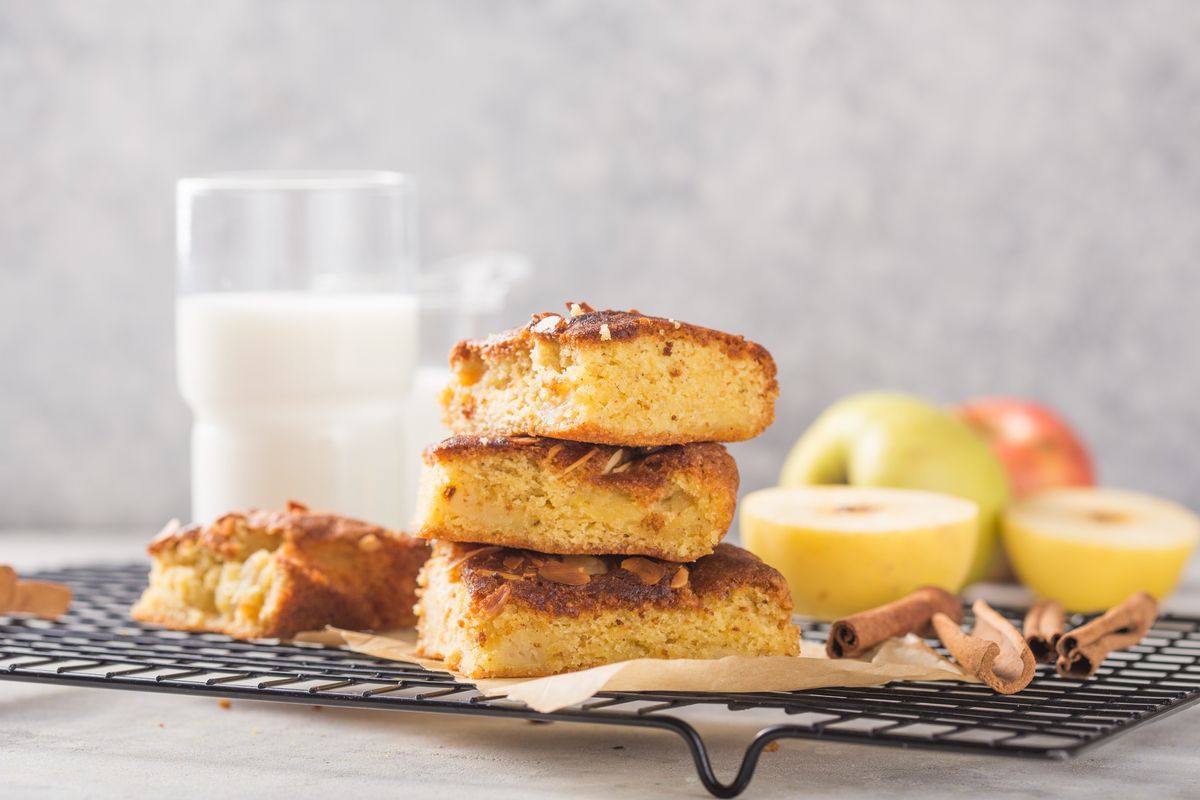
x=266, y=574
x=493, y=612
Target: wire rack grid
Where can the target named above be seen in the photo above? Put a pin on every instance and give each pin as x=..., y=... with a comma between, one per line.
x=97, y=644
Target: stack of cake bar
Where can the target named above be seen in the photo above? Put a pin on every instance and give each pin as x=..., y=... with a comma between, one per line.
x=578, y=513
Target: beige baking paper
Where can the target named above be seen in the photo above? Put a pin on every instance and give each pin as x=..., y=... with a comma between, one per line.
x=908, y=659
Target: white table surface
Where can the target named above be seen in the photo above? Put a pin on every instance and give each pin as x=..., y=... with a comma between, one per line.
x=78, y=742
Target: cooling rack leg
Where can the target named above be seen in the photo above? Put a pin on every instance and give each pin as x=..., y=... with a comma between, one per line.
x=703, y=762
x=745, y=772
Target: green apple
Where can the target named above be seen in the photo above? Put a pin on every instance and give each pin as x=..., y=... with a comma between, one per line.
x=896, y=440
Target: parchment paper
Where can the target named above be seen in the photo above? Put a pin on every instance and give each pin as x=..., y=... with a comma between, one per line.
x=907, y=659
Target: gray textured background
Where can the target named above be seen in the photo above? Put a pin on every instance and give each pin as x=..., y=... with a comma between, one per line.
x=953, y=198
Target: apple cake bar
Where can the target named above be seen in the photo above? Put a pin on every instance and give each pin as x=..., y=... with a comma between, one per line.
x=552, y=496
x=272, y=574
x=612, y=377
x=504, y=613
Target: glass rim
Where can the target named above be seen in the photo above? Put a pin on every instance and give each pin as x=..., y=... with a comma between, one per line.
x=293, y=180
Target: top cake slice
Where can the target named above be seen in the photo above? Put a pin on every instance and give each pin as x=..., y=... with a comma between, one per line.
x=612, y=377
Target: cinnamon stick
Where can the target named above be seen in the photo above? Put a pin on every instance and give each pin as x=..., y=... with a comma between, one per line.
x=1044, y=626
x=856, y=634
x=45, y=600
x=994, y=650
x=1081, y=651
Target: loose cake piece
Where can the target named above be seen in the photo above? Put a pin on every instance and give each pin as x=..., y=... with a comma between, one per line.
x=552, y=496
x=612, y=377
x=270, y=574
x=493, y=612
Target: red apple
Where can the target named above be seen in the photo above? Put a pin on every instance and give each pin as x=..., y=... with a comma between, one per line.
x=1037, y=447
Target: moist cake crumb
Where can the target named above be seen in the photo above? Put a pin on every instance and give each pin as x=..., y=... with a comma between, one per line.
x=267, y=574
x=674, y=503
x=486, y=619
x=612, y=377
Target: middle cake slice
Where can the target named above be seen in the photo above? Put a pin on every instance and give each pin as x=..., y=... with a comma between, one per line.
x=554, y=496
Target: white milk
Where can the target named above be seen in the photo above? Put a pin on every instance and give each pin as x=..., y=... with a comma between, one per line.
x=424, y=425
x=298, y=396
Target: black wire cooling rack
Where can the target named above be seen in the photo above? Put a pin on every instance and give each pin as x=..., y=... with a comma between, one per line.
x=97, y=644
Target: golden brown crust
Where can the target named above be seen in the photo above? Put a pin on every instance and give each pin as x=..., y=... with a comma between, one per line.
x=602, y=435
x=226, y=534
x=612, y=377
x=360, y=590
x=629, y=468
x=329, y=570
x=619, y=588
x=602, y=327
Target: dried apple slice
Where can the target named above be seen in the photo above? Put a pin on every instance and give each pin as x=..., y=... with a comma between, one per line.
x=1091, y=548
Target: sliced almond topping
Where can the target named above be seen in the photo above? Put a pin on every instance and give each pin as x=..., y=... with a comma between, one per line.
x=680, y=578
x=605, y=333
x=369, y=543
x=508, y=576
x=558, y=572
x=514, y=562
x=591, y=565
x=547, y=324
x=648, y=572
x=523, y=439
x=578, y=309
x=494, y=603
x=551, y=453
x=465, y=557
x=613, y=461
x=579, y=462
x=623, y=468
x=172, y=527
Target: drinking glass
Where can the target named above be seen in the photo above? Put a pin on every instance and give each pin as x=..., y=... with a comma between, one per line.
x=296, y=339
x=463, y=297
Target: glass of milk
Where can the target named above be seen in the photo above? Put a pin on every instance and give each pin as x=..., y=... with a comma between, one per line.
x=461, y=298
x=296, y=337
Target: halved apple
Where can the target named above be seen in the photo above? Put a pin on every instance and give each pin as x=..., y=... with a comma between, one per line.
x=898, y=441
x=845, y=549
x=1091, y=548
